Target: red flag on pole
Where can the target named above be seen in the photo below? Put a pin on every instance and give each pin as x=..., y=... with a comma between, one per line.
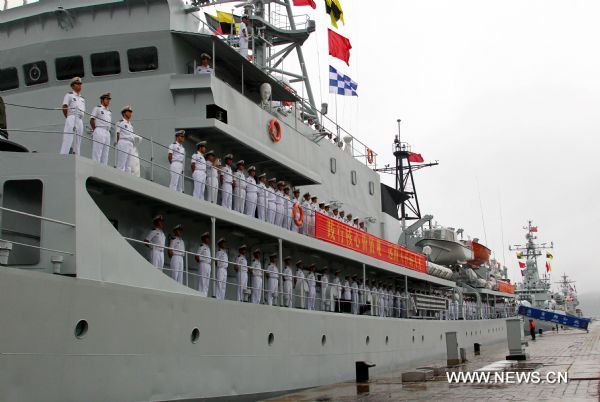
x=415, y=158
x=534, y=229
x=548, y=267
x=305, y=3
x=522, y=265
x=339, y=46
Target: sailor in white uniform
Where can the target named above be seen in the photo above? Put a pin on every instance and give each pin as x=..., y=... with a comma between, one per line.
x=222, y=264
x=257, y=277
x=73, y=109
x=346, y=295
x=176, y=159
x=287, y=209
x=239, y=187
x=227, y=182
x=125, y=140
x=244, y=37
x=204, y=66
x=203, y=257
x=312, y=287
x=337, y=283
x=300, y=287
x=271, y=200
x=307, y=213
x=355, y=223
x=296, y=200
x=199, y=170
x=101, y=122
x=241, y=269
x=325, y=302
x=156, y=241
x=177, y=253
x=251, y=192
x=262, y=197
x=279, y=205
x=336, y=213
x=288, y=282
x=212, y=177
x=354, y=297
x=348, y=219
x=272, y=279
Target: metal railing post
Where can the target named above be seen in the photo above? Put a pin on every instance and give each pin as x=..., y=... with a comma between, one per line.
x=280, y=281
x=151, y=159
x=213, y=253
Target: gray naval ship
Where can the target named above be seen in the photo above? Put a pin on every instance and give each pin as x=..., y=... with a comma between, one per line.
x=86, y=316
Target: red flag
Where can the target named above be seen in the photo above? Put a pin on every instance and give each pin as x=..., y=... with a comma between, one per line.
x=522, y=265
x=534, y=229
x=339, y=46
x=305, y=3
x=415, y=158
x=548, y=267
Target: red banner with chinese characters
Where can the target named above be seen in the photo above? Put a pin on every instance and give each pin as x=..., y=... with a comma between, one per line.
x=506, y=287
x=336, y=232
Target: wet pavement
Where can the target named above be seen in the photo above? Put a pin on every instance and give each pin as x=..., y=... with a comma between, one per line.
x=572, y=351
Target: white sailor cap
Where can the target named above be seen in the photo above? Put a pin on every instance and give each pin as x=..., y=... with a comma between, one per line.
x=252, y=168
x=211, y=152
x=273, y=255
x=299, y=262
x=179, y=133
x=76, y=80
x=242, y=247
x=178, y=227
x=326, y=205
x=262, y=175
x=240, y=162
x=312, y=266
x=356, y=218
x=158, y=218
x=336, y=208
x=201, y=144
x=257, y=251
x=286, y=188
x=314, y=197
x=280, y=183
x=272, y=180
x=306, y=194
x=287, y=258
x=106, y=95
x=126, y=108
x=205, y=234
x=205, y=56
x=221, y=240
x=228, y=156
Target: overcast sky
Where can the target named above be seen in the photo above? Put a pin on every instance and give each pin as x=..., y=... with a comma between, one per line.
x=504, y=94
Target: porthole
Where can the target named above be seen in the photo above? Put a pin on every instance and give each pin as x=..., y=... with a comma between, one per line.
x=271, y=339
x=81, y=329
x=353, y=177
x=387, y=339
x=332, y=165
x=323, y=340
x=367, y=340
x=195, y=335
x=413, y=339
x=422, y=338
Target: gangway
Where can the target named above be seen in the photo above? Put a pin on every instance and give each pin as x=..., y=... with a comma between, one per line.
x=557, y=317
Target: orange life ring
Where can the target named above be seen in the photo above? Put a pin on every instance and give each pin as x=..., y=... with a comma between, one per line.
x=295, y=210
x=275, y=130
x=370, y=155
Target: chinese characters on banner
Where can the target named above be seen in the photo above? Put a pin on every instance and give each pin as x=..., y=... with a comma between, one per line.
x=505, y=287
x=336, y=232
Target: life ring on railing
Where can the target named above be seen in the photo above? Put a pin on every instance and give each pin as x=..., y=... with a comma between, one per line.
x=295, y=210
x=275, y=130
x=370, y=156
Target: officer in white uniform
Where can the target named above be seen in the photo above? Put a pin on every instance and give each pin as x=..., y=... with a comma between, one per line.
x=244, y=37
x=307, y=214
x=176, y=159
x=203, y=257
x=73, y=109
x=227, y=183
x=251, y=192
x=222, y=264
x=279, y=204
x=199, y=170
x=262, y=197
x=312, y=287
x=300, y=288
x=177, y=253
x=257, y=277
x=272, y=279
x=287, y=209
x=100, y=122
x=156, y=241
x=125, y=139
x=288, y=282
x=241, y=269
x=324, y=285
x=204, y=67
x=212, y=177
x=239, y=187
x=271, y=200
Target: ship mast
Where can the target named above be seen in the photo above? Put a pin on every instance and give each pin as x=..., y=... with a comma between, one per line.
x=531, y=251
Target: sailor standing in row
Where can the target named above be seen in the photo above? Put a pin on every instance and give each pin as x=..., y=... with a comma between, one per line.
x=312, y=287
x=212, y=177
x=354, y=288
x=300, y=287
x=279, y=205
x=288, y=283
x=204, y=258
x=271, y=200
x=125, y=140
x=257, y=277
x=222, y=264
x=176, y=253
x=241, y=268
x=337, y=284
x=307, y=213
x=251, y=192
x=324, y=285
x=156, y=241
x=287, y=209
x=262, y=197
x=272, y=281
x=100, y=122
x=239, y=187
x=176, y=159
x=73, y=109
x=346, y=295
x=227, y=183
x=296, y=200
x=199, y=170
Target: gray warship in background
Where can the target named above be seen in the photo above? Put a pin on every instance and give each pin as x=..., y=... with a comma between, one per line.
x=84, y=314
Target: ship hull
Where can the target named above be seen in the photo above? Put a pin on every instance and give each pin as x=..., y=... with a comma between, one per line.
x=138, y=343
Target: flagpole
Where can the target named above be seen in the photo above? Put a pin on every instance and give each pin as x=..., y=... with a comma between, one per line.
x=336, y=113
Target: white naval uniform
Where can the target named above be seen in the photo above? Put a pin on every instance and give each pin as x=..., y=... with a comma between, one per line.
x=177, y=260
x=300, y=279
x=227, y=187
x=203, y=70
x=222, y=264
x=204, y=269
x=312, y=290
x=271, y=204
x=354, y=297
x=346, y=295
x=178, y=157
x=239, y=192
x=337, y=283
x=262, y=202
x=279, y=208
x=324, y=300
x=272, y=283
x=73, y=130
x=287, y=212
x=381, y=302
x=242, y=276
x=199, y=175
x=103, y=119
x=306, y=206
x=157, y=240
x=257, y=282
x=287, y=286
x=251, y=196
x=212, y=182
x=125, y=145
x=243, y=30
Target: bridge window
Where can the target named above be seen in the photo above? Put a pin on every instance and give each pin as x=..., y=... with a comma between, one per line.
x=69, y=67
x=9, y=79
x=35, y=73
x=107, y=63
x=142, y=59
